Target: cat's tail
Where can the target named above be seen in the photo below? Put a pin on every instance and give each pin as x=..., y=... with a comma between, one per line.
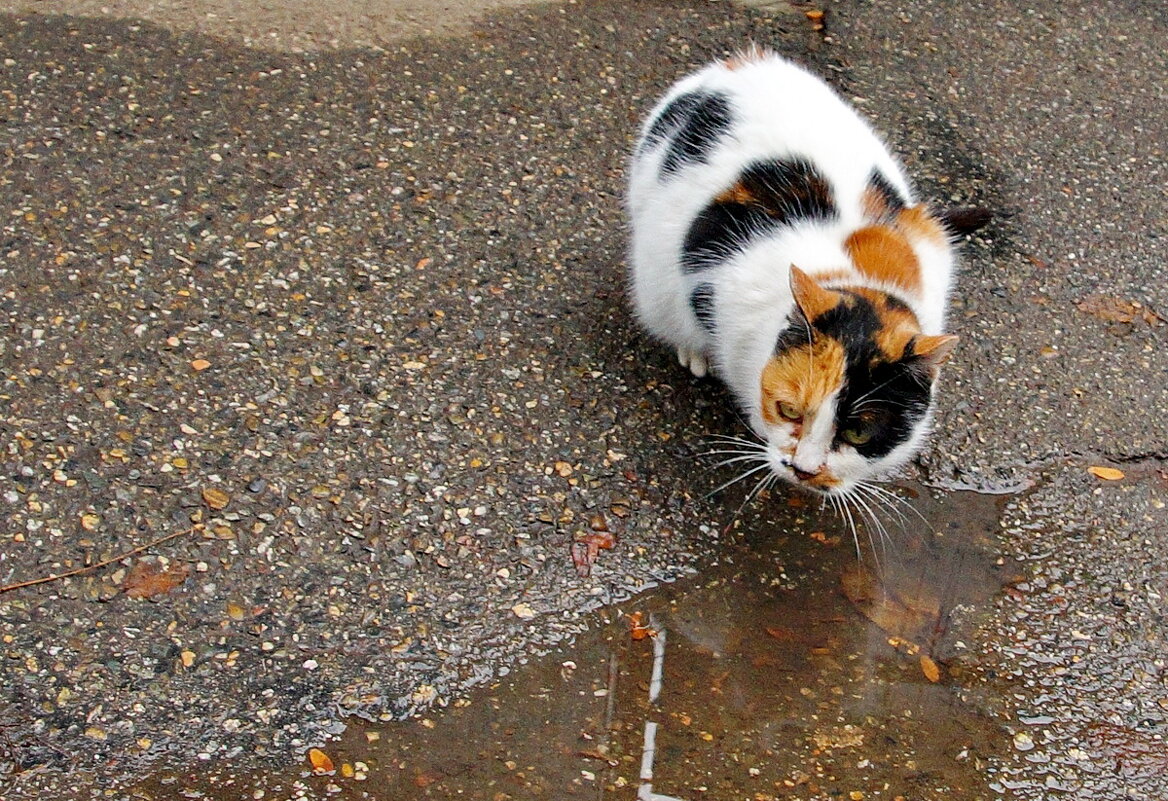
x=965, y=219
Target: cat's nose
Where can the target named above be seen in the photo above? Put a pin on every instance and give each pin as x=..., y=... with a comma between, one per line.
x=806, y=475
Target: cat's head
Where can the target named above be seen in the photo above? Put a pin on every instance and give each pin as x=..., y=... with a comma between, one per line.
x=846, y=395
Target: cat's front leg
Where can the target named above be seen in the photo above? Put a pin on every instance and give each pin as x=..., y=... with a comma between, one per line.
x=695, y=360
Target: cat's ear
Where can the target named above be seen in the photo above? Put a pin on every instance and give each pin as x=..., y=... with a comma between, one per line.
x=812, y=299
x=933, y=351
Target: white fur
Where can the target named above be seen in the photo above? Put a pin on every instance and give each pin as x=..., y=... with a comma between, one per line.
x=780, y=110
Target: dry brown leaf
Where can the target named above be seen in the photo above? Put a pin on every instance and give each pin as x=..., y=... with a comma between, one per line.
x=637, y=629
x=425, y=779
x=320, y=761
x=216, y=498
x=1105, y=473
x=930, y=669
x=586, y=547
x=1118, y=310
x=147, y=579
x=780, y=633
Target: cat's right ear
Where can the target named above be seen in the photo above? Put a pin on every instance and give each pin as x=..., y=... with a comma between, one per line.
x=812, y=299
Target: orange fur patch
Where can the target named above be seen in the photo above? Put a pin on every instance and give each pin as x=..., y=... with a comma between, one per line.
x=834, y=275
x=874, y=204
x=736, y=194
x=803, y=376
x=898, y=325
x=752, y=54
x=884, y=254
x=824, y=480
x=917, y=223
x=813, y=299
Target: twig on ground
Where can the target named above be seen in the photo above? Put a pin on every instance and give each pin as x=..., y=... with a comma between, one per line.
x=101, y=564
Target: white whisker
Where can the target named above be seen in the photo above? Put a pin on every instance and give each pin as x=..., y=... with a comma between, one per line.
x=736, y=479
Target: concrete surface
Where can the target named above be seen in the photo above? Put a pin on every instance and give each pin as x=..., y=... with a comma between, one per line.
x=373, y=297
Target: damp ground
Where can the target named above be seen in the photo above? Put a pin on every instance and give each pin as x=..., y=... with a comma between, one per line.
x=788, y=669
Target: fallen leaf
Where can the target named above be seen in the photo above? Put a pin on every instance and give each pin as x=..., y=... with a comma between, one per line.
x=823, y=539
x=198, y=365
x=1118, y=310
x=1105, y=473
x=786, y=635
x=147, y=579
x=930, y=669
x=586, y=547
x=637, y=629
x=216, y=498
x=425, y=779
x=320, y=761
x=596, y=753
x=582, y=558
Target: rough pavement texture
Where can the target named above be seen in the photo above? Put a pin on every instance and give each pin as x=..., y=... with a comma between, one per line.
x=1061, y=109
x=290, y=25
x=1083, y=641
x=374, y=298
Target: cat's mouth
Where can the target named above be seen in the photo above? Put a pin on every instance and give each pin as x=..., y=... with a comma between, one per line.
x=821, y=481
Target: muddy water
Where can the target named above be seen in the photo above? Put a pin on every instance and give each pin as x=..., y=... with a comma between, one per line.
x=788, y=669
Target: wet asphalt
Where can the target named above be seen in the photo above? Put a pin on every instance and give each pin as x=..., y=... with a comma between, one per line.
x=354, y=321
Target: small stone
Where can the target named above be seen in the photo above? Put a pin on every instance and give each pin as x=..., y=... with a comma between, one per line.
x=199, y=365
x=1023, y=741
x=523, y=611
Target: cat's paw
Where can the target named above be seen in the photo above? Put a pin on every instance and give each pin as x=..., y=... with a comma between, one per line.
x=695, y=360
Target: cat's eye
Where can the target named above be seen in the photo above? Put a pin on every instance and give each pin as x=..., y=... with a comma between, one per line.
x=856, y=436
x=789, y=411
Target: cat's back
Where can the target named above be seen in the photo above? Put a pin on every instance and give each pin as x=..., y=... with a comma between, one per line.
x=750, y=109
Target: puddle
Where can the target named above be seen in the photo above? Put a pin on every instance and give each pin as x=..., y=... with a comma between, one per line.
x=786, y=672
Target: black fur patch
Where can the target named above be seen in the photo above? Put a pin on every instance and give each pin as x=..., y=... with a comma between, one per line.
x=796, y=333
x=781, y=192
x=697, y=132
x=674, y=113
x=720, y=231
x=892, y=198
x=701, y=300
x=789, y=190
x=885, y=399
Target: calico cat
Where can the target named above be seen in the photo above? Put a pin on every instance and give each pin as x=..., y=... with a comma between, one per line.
x=776, y=242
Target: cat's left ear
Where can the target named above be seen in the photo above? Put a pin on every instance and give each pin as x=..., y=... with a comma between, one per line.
x=933, y=351
x=812, y=299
